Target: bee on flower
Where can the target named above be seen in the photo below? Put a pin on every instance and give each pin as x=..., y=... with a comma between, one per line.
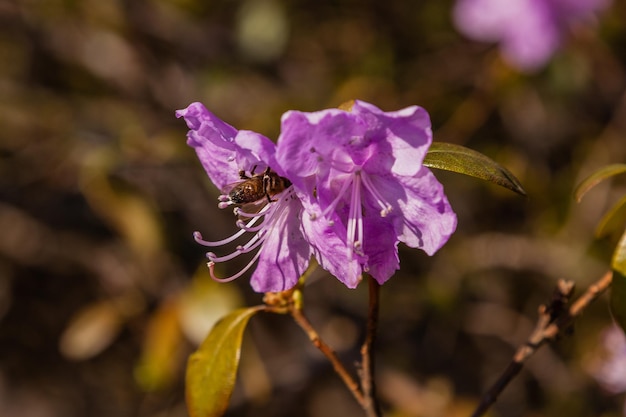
x=345, y=185
x=264, y=203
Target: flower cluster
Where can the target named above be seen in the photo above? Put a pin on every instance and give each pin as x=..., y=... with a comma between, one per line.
x=343, y=185
x=529, y=31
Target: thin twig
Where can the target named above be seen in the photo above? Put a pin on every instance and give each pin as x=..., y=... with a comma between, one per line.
x=371, y=406
x=330, y=354
x=553, y=319
x=291, y=302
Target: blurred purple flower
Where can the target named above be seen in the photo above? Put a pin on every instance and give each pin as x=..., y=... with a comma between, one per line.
x=282, y=252
x=360, y=177
x=610, y=370
x=529, y=31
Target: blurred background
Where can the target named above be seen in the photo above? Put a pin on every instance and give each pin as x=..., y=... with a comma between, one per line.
x=104, y=293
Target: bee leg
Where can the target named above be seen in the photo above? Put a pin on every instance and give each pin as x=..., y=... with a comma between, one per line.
x=243, y=176
x=252, y=172
x=266, y=185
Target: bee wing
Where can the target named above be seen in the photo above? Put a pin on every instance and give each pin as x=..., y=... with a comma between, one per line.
x=252, y=208
x=229, y=187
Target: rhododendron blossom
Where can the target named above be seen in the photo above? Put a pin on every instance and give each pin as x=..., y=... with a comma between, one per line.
x=343, y=185
x=360, y=177
x=529, y=31
x=281, y=251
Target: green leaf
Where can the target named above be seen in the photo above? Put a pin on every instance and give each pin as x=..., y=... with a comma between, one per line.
x=212, y=369
x=462, y=160
x=618, y=286
x=613, y=220
x=597, y=177
x=618, y=262
x=617, y=299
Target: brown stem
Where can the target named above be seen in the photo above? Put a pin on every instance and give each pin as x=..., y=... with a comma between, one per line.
x=371, y=405
x=552, y=320
x=352, y=385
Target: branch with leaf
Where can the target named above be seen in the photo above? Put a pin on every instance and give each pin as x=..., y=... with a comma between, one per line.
x=212, y=369
x=557, y=316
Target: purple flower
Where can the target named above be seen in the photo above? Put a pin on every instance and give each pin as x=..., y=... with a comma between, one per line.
x=609, y=368
x=360, y=177
x=281, y=251
x=529, y=31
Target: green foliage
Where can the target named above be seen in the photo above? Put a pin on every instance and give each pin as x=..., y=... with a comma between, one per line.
x=212, y=369
x=611, y=220
x=462, y=160
x=617, y=297
x=618, y=286
x=597, y=177
x=618, y=263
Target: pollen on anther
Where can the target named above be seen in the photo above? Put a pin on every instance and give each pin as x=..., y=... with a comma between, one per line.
x=384, y=212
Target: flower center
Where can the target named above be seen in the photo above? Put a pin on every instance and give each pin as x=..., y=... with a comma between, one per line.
x=357, y=181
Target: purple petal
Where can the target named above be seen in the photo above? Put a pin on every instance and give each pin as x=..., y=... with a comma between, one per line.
x=488, y=20
x=222, y=150
x=213, y=141
x=533, y=40
x=529, y=31
x=382, y=252
x=285, y=254
x=254, y=149
x=307, y=139
x=404, y=134
x=330, y=250
x=427, y=218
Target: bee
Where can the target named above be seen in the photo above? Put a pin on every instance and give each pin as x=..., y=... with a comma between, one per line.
x=256, y=187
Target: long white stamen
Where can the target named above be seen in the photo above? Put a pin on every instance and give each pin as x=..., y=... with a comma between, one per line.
x=251, y=245
x=342, y=191
x=223, y=204
x=343, y=166
x=380, y=200
x=354, y=235
x=239, y=212
x=268, y=217
x=211, y=266
x=240, y=224
x=280, y=212
x=244, y=228
x=198, y=238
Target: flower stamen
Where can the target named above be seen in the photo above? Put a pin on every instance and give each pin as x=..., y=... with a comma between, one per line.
x=197, y=236
x=355, y=219
x=331, y=206
x=241, y=213
x=240, y=224
x=245, y=269
x=386, y=208
x=259, y=223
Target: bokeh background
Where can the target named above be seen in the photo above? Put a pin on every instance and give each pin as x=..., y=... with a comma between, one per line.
x=104, y=293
